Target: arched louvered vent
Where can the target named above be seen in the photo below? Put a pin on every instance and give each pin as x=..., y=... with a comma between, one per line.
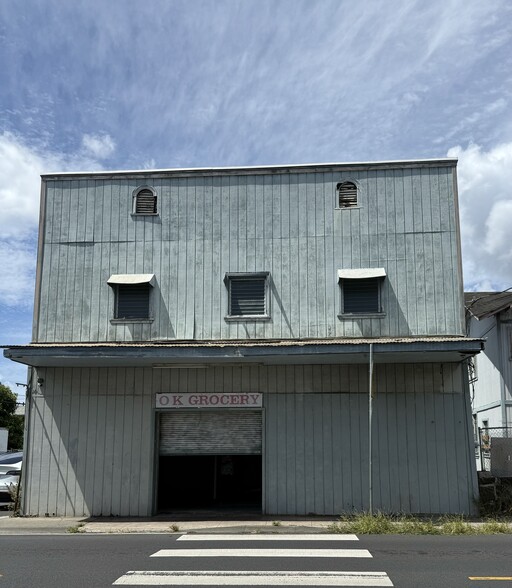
x=347, y=194
x=145, y=202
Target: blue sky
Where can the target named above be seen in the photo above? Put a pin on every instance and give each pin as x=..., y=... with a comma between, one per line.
x=127, y=84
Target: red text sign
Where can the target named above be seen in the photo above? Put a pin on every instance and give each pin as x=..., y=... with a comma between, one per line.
x=210, y=400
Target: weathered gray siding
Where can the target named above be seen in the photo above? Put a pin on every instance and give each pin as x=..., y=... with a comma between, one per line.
x=284, y=223
x=317, y=449
x=93, y=440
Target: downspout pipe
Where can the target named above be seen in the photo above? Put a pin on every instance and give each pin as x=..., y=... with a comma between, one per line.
x=370, y=420
x=501, y=350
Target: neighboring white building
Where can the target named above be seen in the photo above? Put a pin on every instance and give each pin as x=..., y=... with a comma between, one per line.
x=489, y=316
x=206, y=337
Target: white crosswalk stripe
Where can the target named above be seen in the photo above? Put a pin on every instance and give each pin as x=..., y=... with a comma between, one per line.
x=209, y=578
x=262, y=553
x=267, y=538
x=257, y=578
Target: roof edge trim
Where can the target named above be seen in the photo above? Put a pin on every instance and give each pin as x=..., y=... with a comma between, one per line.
x=254, y=169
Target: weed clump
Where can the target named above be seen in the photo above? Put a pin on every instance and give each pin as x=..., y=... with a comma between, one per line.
x=384, y=524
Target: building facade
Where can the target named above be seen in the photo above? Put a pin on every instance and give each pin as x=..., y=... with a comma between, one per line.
x=289, y=338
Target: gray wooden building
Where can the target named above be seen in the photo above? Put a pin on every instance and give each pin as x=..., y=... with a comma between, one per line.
x=205, y=337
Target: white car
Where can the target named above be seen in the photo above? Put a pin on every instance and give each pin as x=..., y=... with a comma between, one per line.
x=10, y=471
x=10, y=461
x=8, y=483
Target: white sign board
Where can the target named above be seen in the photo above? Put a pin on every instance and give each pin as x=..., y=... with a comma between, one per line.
x=210, y=400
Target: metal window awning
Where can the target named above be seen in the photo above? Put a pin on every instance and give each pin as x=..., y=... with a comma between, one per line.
x=132, y=279
x=361, y=273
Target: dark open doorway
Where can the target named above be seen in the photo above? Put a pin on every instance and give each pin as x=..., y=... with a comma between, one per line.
x=206, y=481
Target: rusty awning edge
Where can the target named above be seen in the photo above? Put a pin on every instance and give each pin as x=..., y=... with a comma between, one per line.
x=245, y=342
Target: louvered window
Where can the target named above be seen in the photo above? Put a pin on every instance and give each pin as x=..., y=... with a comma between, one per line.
x=132, y=301
x=347, y=194
x=145, y=202
x=247, y=295
x=361, y=296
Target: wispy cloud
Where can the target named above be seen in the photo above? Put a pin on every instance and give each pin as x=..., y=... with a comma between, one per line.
x=233, y=82
x=98, y=146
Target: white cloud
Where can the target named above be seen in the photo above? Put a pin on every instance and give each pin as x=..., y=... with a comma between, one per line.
x=499, y=223
x=20, y=170
x=17, y=263
x=485, y=193
x=98, y=146
x=149, y=164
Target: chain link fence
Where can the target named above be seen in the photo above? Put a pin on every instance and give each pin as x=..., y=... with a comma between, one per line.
x=495, y=446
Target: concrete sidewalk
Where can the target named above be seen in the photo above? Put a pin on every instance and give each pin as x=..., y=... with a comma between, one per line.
x=165, y=525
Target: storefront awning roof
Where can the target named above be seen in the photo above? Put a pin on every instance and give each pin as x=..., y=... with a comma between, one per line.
x=160, y=354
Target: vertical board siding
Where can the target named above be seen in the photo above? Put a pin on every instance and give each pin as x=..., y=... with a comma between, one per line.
x=92, y=443
x=93, y=439
x=418, y=474
x=287, y=224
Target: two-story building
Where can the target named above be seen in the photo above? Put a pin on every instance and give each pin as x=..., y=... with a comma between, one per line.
x=286, y=337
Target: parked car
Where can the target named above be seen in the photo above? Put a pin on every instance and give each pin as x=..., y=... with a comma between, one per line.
x=10, y=461
x=8, y=483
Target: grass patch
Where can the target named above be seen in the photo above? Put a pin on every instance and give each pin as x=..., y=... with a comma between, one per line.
x=383, y=524
x=414, y=526
x=175, y=528
x=495, y=527
x=76, y=528
x=364, y=524
x=456, y=525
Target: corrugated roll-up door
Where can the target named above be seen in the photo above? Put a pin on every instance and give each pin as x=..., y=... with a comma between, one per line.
x=236, y=432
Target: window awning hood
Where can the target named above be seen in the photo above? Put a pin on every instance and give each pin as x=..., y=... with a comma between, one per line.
x=132, y=279
x=361, y=273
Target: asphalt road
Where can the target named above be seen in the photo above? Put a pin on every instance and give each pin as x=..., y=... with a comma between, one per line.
x=73, y=561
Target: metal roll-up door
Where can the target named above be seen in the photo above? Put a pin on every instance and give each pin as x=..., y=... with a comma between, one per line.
x=236, y=432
